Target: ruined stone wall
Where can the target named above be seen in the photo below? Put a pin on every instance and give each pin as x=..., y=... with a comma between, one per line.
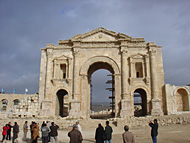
x=177, y=99
x=26, y=105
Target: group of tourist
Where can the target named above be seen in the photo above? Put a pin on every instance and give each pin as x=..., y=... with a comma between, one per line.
x=7, y=132
x=49, y=132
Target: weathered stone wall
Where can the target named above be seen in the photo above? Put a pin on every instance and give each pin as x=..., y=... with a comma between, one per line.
x=175, y=100
x=28, y=105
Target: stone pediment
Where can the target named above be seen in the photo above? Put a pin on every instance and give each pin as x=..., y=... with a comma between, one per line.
x=100, y=34
x=63, y=57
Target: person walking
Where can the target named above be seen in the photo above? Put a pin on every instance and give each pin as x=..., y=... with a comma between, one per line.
x=15, y=132
x=108, y=132
x=9, y=132
x=53, y=132
x=25, y=130
x=45, y=130
x=100, y=135
x=75, y=135
x=128, y=137
x=154, y=130
x=4, y=133
x=36, y=134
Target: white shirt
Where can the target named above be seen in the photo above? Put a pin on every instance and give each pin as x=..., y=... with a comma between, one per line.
x=79, y=128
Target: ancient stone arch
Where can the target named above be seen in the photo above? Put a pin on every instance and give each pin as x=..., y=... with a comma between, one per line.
x=132, y=61
x=104, y=59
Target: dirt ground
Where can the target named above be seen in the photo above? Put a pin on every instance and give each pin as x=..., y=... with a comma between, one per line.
x=179, y=133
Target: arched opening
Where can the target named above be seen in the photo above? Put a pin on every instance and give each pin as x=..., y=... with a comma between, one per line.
x=4, y=104
x=16, y=102
x=140, y=103
x=102, y=98
x=62, y=103
x=182, y=101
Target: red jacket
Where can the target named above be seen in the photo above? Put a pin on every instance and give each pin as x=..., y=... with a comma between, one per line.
x=5, y=130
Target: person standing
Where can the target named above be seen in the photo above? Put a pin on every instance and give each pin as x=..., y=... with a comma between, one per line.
x=75, y=135
x=4, y=133
x=9, y=132
x=25, y=130
x=15, y=132
x=36, y=134
x=45, y=130
x=128, y=137
x=79, y=127
x=53, y=132
x=48, y=125
x=108, y=132
x=154, y=130
x=99, y=135
x=31, y=130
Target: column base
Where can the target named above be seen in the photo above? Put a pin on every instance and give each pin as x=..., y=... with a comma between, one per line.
x=46, y=108
x=156, y=107
x=126, y=108
x=75, y=109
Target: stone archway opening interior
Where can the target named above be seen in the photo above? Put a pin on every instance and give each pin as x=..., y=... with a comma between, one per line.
x=62, y=104
x=140, y=103
x=101, y=78
x=182, y=100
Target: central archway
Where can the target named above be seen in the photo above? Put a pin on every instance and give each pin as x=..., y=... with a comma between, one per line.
x=88, y=68
x=105, y=109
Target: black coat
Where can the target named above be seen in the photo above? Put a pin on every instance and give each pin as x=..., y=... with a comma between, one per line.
x=53, y=131
x=154, y=131
x=100, y=135
x=15, y=131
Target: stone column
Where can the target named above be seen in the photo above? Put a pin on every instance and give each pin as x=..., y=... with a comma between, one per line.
x=75, y=75
x=125, y=102
x=46, y=104
x=156, y=103
x=75, y=110
x=147, y=70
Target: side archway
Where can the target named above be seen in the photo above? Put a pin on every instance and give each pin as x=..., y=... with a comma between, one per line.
x=62, y=103
x=181, y=99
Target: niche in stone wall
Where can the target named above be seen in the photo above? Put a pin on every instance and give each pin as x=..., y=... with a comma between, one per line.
x=63, y=71
x=139, y=70
x=61, y=67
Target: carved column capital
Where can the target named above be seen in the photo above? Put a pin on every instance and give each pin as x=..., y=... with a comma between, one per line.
x=124, y=50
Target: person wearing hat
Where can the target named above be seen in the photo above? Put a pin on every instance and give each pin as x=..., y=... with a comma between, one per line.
x=128, y=137
x=75, y=135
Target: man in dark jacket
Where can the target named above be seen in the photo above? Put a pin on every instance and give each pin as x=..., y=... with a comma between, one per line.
x=15, y=132
x=53, y=132
x=75, y=135
x=9, y=131
x=154, y=130
x=100, y=135
x=108, y=132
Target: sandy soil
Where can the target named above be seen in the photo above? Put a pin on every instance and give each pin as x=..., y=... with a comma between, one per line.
x=167, y=134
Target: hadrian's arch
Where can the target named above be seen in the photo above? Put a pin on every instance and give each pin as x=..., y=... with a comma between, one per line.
x=88, y=68
x=133, y=63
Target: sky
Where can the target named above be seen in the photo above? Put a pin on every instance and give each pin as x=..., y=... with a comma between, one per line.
x=27, y=26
